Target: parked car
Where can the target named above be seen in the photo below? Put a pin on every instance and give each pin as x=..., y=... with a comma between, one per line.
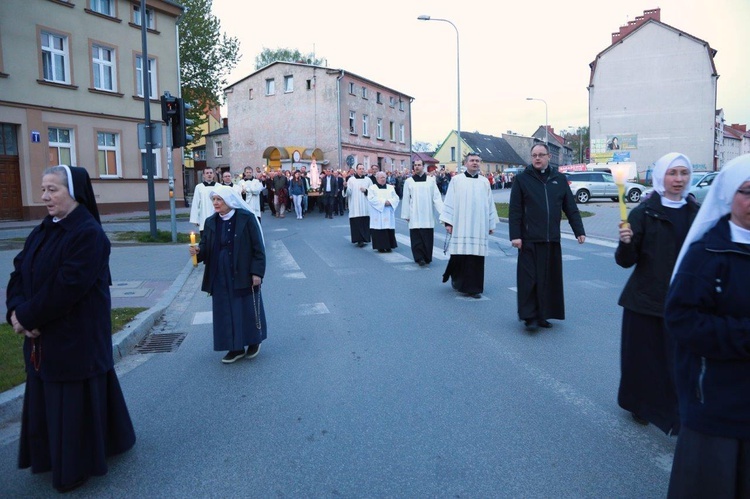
x=587, y=185
x=699, y=185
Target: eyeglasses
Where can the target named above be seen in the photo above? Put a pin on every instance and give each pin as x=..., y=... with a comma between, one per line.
x=539, y=155
x=744, y=192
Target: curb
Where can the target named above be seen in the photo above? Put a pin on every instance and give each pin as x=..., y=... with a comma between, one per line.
x=123, y=342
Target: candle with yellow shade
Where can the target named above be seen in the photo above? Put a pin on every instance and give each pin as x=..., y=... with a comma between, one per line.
x=192, y=243
x=620, y=173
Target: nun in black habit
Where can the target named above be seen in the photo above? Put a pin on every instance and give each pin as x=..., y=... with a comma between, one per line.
x=74, y=412
x=234, y=256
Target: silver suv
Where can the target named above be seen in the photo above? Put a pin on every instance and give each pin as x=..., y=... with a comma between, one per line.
x=587, y=185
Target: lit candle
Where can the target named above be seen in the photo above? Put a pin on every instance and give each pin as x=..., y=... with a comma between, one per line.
x=192, y=243
x=620, y=174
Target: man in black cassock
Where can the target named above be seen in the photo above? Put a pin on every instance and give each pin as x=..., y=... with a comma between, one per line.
x=537, y=199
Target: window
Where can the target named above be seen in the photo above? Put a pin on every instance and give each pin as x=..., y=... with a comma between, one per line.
x=55, y=58
x=365, y=125
x=392, y=101
x=309, y=84
x=103, y=63
x=151, y=76
x=352, y=124
x=218, y=149
x=108, y=154
x=400, y=105
x=351, y=88
x=150, y=19
x=8, y=140
x=61, y=146
x=250, y=93
x=366, y=162
x=453, y=153
x=392, y=131
x=103, y=7
x=401, y=134
x=288, y=83
x=364, y=92
x=378, y=97
x=380, y=128
x=156, y=163
x=199, y=155
x=270, y=86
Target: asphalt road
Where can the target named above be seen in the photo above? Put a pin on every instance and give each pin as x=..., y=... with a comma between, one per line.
x=377, y=380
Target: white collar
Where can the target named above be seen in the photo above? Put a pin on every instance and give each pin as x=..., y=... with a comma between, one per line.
x=739, y=235
x=669, y=203
x=229, y=215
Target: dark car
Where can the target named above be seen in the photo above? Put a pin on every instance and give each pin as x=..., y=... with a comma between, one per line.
x=588, y=185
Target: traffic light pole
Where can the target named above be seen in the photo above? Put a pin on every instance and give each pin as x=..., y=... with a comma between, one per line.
x=170, y=169
x=148, y=160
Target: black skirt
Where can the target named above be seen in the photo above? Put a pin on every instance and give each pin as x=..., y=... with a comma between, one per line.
x=360, y=229
x=383, y=239
x=70, y=428
x=646, y=363
x=539, y=281
x=466, y=273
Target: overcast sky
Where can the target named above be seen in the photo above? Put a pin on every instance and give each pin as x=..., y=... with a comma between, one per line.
x=509, y=51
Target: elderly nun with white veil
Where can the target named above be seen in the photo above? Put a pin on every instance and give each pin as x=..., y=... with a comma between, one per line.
x=708, y=316
x=233, y=253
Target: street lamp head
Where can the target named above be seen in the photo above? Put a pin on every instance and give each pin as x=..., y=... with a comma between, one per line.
x=529, y=98
x=424, y=17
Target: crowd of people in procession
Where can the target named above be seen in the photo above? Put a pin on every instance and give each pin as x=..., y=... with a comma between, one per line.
x=685, y=354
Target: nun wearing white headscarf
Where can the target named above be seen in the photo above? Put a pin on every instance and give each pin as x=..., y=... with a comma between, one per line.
x=708, y=316
x=651, y=243
x=232, y=250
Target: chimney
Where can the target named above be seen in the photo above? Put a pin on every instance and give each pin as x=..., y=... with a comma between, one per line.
x=741, y=128
x=225, y=122
x=654, y=14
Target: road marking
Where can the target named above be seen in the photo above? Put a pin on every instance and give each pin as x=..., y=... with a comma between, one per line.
x=437, y=253
x=203, y=318
x=605, y=255
x=312, y=309
x=570, y=258
x=596, y=284
x=284, y=260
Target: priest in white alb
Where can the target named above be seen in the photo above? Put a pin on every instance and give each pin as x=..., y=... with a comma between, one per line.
x=201, y=207
x=250, y=188
x=355, y=190
x=421, y=196
x=383, y=203
x=470, y=216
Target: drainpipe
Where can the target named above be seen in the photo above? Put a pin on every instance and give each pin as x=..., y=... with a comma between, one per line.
x=411, y=133
x=338, y=108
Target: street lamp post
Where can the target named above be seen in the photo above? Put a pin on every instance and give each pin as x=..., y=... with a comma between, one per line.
x=458, y=86
x=546, y=119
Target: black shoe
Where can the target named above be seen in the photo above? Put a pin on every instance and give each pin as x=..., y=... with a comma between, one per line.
x=253, y=351
x=72, y=486
x=388, y=250
x=639, y=419
x=531, y=324
x=475, y=295
x=233, y=356
x=360, y=244
x=422, y=263
x=544, y=323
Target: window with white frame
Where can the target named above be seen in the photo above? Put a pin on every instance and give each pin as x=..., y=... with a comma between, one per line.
x=150, y=19
x=453, y=153
x=379, y=130
x=403, y=164
x=105, y=7
x=365, y=125
x=103, y=63
x=401, y=134
x=218, y=149
x=151, y=76
x=108, y=154
x=352, y=122
x=392, y=101
x=400, y=105
x=55, y=58
x=61, y=146
x=392, y=131
x=351, y=87
x=366, y=162
x=364, y=92
x=289, y=83
x=199, y=155
x=156, y=158
x=270, y=86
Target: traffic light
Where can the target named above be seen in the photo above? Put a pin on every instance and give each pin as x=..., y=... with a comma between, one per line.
x=168, y=107
x=180, y=137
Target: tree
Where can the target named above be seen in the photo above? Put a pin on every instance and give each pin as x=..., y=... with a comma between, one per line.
x=578, y=140
x=267, y=56
x=206, y=58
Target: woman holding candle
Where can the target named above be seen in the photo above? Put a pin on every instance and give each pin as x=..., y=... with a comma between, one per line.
x=234, y=256
x=651, y=241
x=74, y=412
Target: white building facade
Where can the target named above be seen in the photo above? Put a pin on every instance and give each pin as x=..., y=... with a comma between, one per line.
x=651, y=92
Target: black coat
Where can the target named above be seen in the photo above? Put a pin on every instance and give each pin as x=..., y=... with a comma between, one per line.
x=536, y=206
x=60, y=286
x=708, y=315
x=653, y=250
x=248, y=253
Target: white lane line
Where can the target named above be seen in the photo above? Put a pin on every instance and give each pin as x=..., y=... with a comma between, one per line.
x=393, y=257
x=203, y=318
x=570, y=258
x=284, y=260
x=605, y=255
x=595, y=284
x=312, y=309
